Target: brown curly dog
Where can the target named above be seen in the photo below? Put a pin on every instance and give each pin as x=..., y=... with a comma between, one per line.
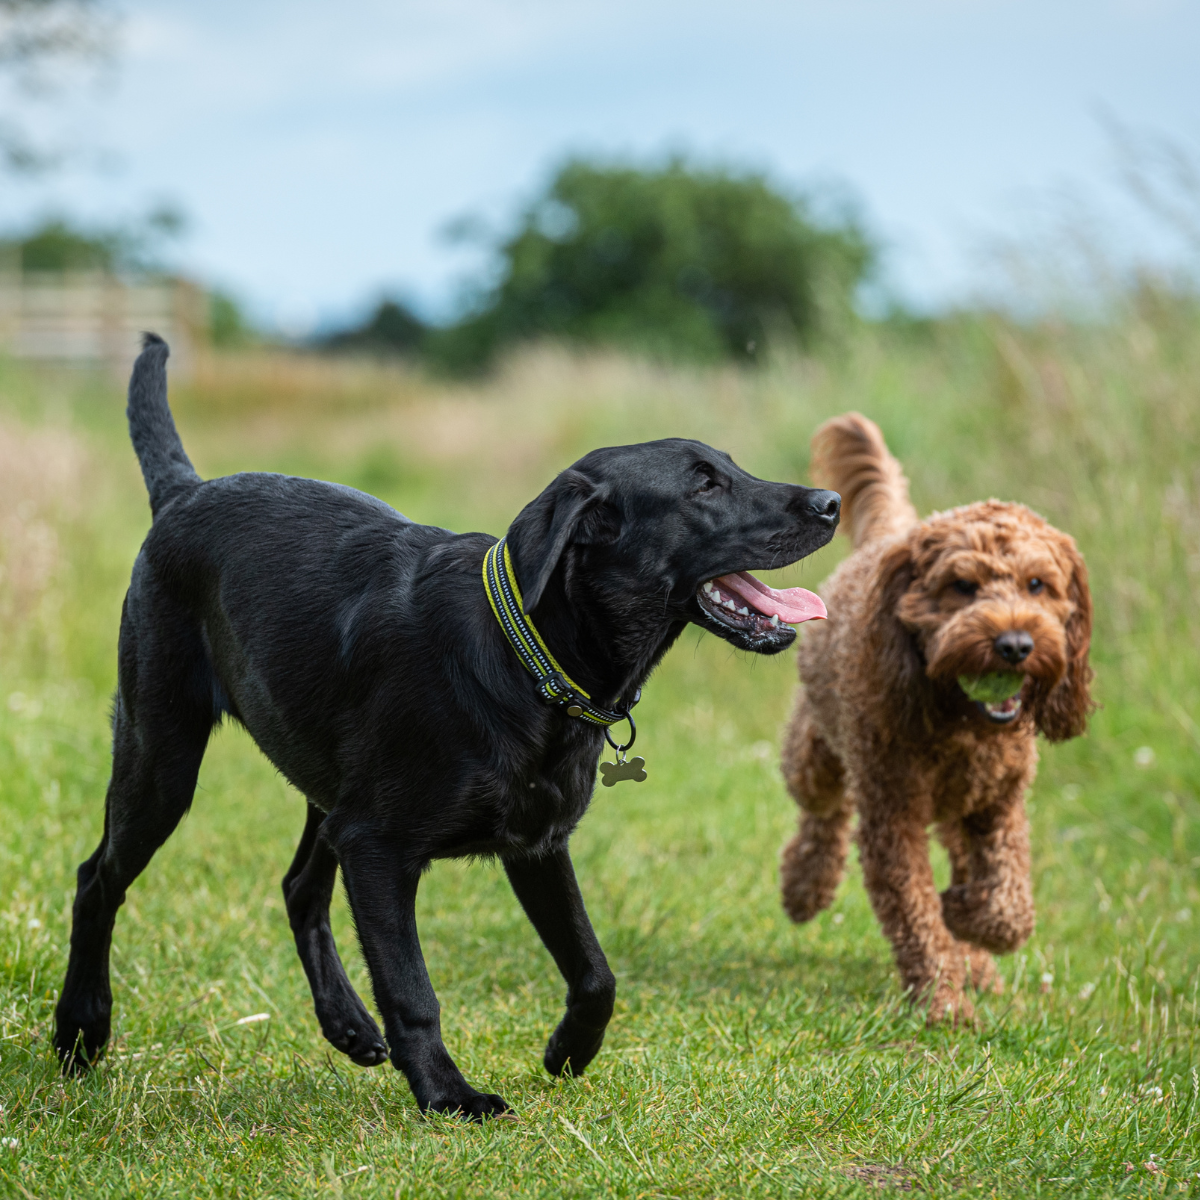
x=883, y=726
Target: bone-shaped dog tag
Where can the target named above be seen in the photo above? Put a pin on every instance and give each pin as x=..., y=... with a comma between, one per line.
x=634, y=768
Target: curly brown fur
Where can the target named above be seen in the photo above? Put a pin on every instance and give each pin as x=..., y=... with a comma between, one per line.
x=882, y=726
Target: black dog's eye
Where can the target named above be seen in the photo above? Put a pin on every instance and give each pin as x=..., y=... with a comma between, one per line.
x=1036, y=585
x=964, y=587
x=707, y=479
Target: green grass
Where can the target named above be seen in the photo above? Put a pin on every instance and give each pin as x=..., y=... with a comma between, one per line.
x=746, y=1056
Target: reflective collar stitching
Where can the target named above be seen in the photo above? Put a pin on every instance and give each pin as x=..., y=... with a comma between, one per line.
x=554, y=685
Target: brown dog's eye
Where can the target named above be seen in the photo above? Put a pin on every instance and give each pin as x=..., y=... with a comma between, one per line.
x=964, y=587
x=1035, y=586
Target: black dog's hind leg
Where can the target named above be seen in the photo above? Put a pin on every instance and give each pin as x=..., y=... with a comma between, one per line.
x=383, y=898
x=163, y=716
x=307, y=892
x=549, y=894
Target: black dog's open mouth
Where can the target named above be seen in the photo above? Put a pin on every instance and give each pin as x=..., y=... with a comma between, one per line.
x=758, y=616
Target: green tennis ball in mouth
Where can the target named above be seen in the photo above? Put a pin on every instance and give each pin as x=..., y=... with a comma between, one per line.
x=992, y=688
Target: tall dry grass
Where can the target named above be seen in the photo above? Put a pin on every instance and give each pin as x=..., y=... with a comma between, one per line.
x=1098, y=427
x=42, y=479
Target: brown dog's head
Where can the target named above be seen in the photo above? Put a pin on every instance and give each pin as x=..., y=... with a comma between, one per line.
x=993, y=588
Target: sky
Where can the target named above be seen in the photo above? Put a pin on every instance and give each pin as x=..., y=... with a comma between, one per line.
x=320, y=150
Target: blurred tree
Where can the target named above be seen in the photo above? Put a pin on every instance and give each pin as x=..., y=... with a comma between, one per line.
x=393, y=328
x=228, y=328
x=58, y=245
x=680, y=261
x=41, y=43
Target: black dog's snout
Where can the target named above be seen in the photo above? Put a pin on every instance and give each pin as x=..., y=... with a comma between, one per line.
x=826, y=506
x=1014, y=646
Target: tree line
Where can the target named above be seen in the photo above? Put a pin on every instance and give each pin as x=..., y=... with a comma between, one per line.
x=675, y=260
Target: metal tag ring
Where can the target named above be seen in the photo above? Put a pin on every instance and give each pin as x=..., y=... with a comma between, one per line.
x=626, y=716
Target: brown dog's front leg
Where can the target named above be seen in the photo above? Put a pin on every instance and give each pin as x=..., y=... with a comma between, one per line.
x=990, y=899
x=894, y=850
x=549, y=894
x=814, y=860
x=812, y=863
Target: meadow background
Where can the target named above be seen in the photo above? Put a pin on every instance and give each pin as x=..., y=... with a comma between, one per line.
x=747, y=1057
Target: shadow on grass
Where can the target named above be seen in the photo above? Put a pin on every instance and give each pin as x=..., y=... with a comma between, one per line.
x=755, y=970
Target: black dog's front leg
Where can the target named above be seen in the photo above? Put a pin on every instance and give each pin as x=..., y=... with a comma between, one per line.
x=383, y=900
x=549, y=894
x=307, y=891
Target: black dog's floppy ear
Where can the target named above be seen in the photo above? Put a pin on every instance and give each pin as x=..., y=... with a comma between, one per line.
x=571, y=509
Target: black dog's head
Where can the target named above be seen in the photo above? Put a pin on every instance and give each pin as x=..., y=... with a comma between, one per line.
x=636, y=541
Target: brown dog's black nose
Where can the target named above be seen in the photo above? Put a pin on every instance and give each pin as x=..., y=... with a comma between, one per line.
x=824, y=504
x=1014, y=646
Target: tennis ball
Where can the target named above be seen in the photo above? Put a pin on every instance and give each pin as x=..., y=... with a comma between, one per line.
x=993, y=687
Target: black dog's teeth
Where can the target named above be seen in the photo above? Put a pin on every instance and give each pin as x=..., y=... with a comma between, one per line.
x=731, y=611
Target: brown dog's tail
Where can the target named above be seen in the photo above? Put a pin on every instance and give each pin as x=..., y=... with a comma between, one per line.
x=850, y=456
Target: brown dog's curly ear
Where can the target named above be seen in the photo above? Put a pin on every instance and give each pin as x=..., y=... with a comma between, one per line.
x=890, y=642
x=571, y=509
x=1064, y=712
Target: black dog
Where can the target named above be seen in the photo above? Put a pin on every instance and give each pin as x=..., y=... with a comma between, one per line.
x=362, y=654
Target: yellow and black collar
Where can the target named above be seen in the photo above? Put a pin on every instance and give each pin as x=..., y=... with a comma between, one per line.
x=554, y=684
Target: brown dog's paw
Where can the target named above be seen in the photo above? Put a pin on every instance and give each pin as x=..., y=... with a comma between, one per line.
x=981, y=971
x=996, y=920
x=962, y=907
x=808, y=879
x=945, y=1003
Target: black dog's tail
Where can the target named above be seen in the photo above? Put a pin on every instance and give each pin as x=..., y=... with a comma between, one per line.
x=166, y=468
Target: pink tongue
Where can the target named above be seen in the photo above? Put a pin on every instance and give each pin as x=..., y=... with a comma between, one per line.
x=792, y=606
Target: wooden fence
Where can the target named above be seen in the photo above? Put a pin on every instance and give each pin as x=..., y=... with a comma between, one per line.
x=96, y=319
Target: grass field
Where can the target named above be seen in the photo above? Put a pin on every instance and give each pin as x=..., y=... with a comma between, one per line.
x=746, y=1056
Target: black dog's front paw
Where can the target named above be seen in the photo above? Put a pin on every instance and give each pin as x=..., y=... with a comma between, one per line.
x=80, y=1042
x=364, y=1046
x=471, y=1105
x=74, y=1056
x=571, y=1047
x=348, y=1026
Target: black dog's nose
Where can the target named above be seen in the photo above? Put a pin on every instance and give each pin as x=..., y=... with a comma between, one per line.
x=1014, y=646
x=825, y=505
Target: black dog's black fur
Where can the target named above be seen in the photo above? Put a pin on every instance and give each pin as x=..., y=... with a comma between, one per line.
x=360, y=652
